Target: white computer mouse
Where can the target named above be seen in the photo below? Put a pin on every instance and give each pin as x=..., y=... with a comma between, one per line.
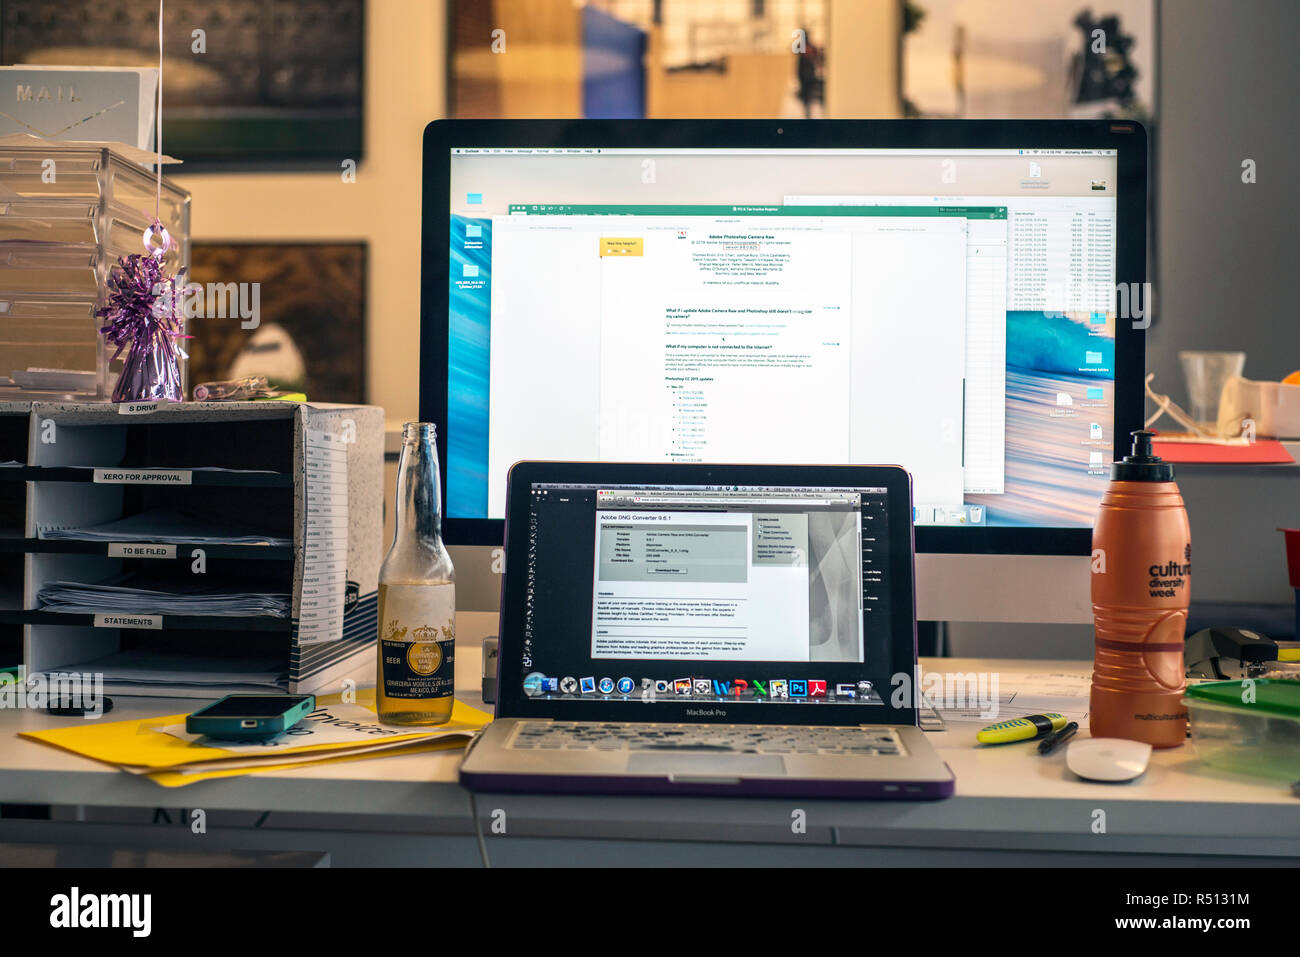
x=1107, y=759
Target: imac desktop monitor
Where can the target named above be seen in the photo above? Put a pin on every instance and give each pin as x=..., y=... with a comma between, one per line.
x=937, y=294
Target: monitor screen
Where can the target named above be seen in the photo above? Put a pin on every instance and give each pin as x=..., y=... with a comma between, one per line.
x=699, y=594
x=951, y=310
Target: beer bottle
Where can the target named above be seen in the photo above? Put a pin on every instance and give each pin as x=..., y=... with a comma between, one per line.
x=417, y=595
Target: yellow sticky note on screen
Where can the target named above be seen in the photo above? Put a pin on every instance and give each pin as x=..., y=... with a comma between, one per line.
x=610, y=246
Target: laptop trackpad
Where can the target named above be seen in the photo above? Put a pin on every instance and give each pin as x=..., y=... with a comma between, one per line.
x=711, y=765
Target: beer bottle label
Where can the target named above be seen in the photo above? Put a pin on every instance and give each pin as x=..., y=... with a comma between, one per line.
x=417, y=640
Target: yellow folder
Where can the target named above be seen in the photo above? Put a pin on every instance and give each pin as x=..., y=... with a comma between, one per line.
x=141, y=744
x=178, y=779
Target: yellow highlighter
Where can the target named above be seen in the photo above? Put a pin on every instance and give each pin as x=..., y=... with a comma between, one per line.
x=1022, y=729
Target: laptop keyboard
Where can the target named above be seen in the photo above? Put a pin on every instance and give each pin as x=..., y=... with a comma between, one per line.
x=736, y=738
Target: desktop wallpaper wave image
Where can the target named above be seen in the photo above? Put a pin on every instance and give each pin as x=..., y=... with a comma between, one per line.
x=469, y=329
x=1052, y=474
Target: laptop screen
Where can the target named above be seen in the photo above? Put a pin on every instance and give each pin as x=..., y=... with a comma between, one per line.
x=707, y=596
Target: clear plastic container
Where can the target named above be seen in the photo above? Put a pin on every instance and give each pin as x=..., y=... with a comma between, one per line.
x=62, y=229
x=1206, y=372
x=1251, y=727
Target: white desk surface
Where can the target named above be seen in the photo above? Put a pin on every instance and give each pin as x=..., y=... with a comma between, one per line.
x=1006, y=797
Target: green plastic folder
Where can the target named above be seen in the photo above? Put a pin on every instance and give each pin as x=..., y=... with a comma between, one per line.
x=1280, y=698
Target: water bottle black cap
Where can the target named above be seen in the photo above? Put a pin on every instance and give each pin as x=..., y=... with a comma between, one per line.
x=1142, y=465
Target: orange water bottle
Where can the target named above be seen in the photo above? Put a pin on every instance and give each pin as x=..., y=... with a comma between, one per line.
x=1141, y=587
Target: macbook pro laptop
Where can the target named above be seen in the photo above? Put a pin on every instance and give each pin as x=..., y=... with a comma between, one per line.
x=708, y=629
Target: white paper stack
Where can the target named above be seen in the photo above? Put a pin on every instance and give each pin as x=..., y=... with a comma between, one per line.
x=164, y=526
x=181, y=674
x=129, y=596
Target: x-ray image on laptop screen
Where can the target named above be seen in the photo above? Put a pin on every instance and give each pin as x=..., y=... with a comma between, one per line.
x=707, y=593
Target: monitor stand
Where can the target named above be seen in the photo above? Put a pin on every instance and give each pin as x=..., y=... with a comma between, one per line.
x=1004, y=588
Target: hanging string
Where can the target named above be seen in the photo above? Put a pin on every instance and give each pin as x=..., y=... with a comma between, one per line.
x=156, y=228
x=157, y=208
x=142, y=316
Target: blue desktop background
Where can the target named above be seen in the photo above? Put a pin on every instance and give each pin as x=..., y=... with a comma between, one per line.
x=469, y=327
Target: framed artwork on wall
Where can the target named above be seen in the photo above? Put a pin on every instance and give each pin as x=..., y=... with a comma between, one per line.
x=247, y=84
x=308, y=333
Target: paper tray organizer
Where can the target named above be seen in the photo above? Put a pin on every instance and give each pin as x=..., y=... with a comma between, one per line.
x=307, y=476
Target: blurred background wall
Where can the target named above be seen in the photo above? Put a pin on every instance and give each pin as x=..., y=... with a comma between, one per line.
x=1214, y=82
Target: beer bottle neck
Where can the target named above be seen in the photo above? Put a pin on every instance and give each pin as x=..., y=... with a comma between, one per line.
x=419, y=493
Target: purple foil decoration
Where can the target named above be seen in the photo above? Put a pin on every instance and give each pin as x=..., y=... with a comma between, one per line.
x=143, y=316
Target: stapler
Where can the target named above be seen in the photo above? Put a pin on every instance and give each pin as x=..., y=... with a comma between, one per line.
x=1228, y=653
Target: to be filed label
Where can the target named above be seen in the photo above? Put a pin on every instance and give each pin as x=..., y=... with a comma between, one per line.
x=140, y=550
